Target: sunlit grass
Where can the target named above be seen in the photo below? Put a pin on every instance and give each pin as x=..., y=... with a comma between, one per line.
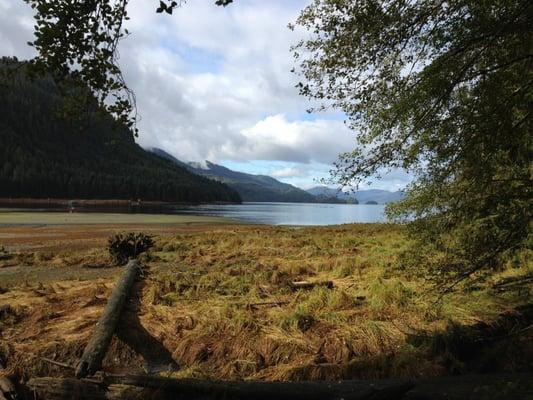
x=221, y=301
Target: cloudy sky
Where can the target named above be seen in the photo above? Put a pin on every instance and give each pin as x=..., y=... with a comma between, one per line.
x=214, y=83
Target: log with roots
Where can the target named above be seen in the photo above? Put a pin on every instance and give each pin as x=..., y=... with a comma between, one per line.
x=94, y=353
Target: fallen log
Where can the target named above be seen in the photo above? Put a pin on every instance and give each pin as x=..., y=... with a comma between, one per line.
x=310, y=285
x=150, y=387
x=511, y=282
x=94, y=353
x=57, y=363
x=64, y=388
x=7, y=389
x=498, y=386
x=492, y=386
x=267, y=304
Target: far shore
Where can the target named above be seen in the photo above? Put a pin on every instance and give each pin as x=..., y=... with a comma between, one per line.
x=51, y=202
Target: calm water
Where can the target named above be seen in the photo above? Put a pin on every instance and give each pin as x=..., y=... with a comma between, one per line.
x=291, y=213
x=260, y=213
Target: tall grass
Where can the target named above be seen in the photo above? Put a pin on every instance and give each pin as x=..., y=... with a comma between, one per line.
x=221, y=302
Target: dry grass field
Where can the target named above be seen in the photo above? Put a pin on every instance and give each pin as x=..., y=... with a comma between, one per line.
x=216, y=301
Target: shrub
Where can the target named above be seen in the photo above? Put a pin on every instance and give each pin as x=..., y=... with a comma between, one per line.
x=3, y=253
x=125, y=246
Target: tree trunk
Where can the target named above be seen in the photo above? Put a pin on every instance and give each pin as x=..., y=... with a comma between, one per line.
x=95, y=351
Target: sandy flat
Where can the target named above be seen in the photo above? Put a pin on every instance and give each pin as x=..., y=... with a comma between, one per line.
x=59, y=218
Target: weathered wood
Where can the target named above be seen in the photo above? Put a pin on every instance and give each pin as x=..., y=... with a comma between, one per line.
x=59, y=364
x=150, y=387
x=500, y=386
x=114, y=387
x=267, y=304
x=513, y=281
x=95, y=351
x=310, y=285
x=64, y=389
x=7, y=389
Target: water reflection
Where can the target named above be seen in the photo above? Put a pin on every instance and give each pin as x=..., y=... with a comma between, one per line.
x=292, y=213
x=260, y=213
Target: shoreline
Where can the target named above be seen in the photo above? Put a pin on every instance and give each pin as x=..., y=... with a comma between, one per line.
x=27, y=218
x=50, y=202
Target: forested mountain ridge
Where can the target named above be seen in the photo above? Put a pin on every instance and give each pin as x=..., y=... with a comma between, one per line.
x=255, y=187
x=260, y=188
x=44, y=155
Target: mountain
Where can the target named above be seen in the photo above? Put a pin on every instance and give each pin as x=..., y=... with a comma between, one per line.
x=260, y=188
x=329, y=192
x=169, y=157
x=85, y=155
x=379, y=196
x=363, y=196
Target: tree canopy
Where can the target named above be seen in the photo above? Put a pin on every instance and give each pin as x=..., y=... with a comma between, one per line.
x=77, y=41
x=444, y=90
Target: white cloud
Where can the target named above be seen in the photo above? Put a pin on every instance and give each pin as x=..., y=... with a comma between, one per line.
x=276, y=138
x=287, y=172
x=212, y=82
x=16, y=29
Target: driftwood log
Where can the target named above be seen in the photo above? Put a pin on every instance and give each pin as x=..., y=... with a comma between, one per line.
x=267, y=304
x=511, y=386
x=7, y=389
x=95, y=351
x=310, y=285
x=512, y=282
x=150, y=387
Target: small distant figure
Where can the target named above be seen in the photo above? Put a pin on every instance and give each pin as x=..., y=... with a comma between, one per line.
x=71, y=206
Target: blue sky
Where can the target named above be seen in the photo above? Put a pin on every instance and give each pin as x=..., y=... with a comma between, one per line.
x=214, y=83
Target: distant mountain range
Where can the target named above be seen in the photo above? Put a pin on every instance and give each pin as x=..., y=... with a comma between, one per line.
x=263, y=188
x=250, y=187
x=363, y=196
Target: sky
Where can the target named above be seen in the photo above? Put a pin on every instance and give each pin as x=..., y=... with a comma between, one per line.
x=214, y=83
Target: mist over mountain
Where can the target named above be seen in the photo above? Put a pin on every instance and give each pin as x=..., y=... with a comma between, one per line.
x=260, y=188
